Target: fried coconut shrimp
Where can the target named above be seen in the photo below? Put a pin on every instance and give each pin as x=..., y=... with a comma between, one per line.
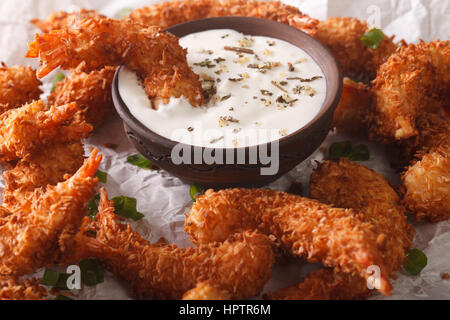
x=156, y=56
x=241, y=265
x=61, y=20
x=90, y=90
x=13, y=289
x=427, y=186
x=18, y=85
x=35, y=126
x=411, y=79
x=350, y=185
x=338, y=238
x=39, y=170
x=346, y=184
x=167, y=14
x=29, y=238
x=353, y=109
x=343, y=37
x=206, y=291
x=433, y=128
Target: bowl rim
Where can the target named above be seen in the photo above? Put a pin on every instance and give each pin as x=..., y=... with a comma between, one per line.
x=227, y=22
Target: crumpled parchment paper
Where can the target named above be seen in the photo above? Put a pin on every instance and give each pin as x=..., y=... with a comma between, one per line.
x=164, y=199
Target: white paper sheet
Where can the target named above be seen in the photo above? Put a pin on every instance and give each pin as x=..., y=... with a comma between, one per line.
x=164, y=199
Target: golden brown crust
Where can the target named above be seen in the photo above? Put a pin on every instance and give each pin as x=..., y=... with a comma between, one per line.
x=62, y=19
x=410, y=80
x=427, y=186
x=241, y=265
x=34, y=126
x=90, y=90
x=351, y=113
x=18, y=85
x=39, y=170
x=324, y=284
x=206, y=290
x=167, y=14
x=336, y=237
x=28, y=289
x=29, y=237
x=156, y=56
x=342, y=36
x=347, y=184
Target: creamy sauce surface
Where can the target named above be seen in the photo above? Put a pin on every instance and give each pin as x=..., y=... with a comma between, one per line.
x=259, y=89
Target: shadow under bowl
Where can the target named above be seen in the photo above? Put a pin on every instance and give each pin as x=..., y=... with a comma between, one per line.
x=292, y=149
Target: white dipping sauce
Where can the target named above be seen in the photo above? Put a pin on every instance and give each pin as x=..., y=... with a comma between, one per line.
x=248, y=108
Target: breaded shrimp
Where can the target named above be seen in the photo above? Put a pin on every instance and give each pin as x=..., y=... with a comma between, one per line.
x=433, y=128
x=18, y=85
x=12, y=288
x=29, y=238
x=156, y=56
x=350, y=185
x=427, y=186
x=90, y=90
x=241, y=265
x=336, y=237
x=35, y=126
x=39, y=170
x=347, y=184
x=61, y=20
x=351, y=113
x=167, y=13
x=407, y=83
x=206, y=290
x=324, y=284
x=343, y=37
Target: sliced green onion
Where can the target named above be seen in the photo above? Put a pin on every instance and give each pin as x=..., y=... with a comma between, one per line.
x=126, y=207
x=195, y=191
x=124, y=12
x=139, y=161
x=416, y=261
x=92, y=206
x=50, y=277
x=345, y=149
x=102, y=176
x=55, y=279
x=372, y=38
x=92, y=271
x=57, y=78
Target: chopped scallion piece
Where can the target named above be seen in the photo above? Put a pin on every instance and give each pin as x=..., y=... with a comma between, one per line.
x=102, y=176
x=372, y=38
x=126, y=207
x=139, y=161
x=195, y=191
x=417, y=260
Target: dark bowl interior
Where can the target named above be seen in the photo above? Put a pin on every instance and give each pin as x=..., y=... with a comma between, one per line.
x=293, y=148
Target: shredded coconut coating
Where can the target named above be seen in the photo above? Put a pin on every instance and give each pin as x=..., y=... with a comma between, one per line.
x=338, y=238
x=34, y=126
x=29, y=238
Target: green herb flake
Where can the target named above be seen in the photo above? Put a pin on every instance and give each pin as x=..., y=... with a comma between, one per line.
x=92, y=206
x=140, y=161
x=345, y=149
x=126, y=207
x=372, y=39
x=57, y=78
x=195, y=191
x=416, y=261
x=102, y=176
x=92, y=271
x=225, y=97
